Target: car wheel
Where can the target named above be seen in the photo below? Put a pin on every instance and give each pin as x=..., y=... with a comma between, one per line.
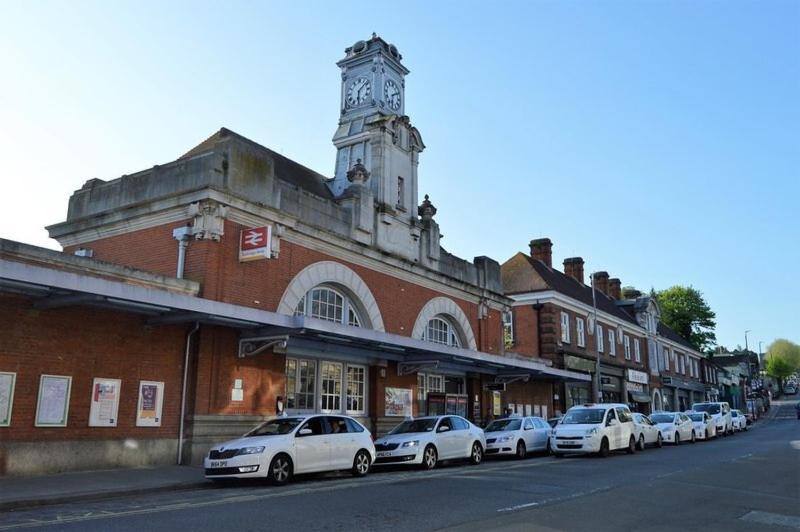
x=659, y=441
x=521, y=451
x=604, y=449
x=677, y=439
x=640, y=445
x=548, y=450
x=429, y=457
x=707, y=436
x=280, y=470
x=558, y=455
x=694, y=437
x=361, y=463
x=745, y=428
x=476, y=456
x=631, y=445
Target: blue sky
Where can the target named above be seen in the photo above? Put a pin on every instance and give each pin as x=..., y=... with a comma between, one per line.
x=658, y=140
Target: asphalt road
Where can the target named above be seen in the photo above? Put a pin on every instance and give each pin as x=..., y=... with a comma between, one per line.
x=750, y=481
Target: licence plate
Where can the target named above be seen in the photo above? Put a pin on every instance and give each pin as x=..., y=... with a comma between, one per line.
x=219, y=463
x=568, y=442
x=383, y=454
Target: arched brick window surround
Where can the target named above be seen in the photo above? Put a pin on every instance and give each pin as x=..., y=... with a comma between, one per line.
x=446, y=307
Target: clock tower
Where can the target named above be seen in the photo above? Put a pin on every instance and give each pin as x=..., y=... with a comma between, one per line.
x=374, y=132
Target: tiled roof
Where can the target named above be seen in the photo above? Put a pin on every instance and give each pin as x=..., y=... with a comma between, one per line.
x=669, y=334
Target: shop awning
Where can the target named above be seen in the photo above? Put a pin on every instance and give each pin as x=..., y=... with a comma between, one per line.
x=639, y=397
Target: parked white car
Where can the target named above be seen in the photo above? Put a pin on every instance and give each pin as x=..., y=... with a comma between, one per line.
x=739, y=420
x=720, y=412
x=594, y=428
x=428, y=440
x=646, y=432
x=285, y=446
x=704, y=426
x=675, y=427
x=517, y=435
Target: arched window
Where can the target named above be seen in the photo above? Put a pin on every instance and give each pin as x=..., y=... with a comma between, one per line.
x=326, y=303
x=441, y=331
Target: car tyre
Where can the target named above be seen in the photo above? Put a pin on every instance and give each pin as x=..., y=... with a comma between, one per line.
x=361, y=463
x=558, y=455
x=641, y=444
x=677, y=439
x=280, y=470
x=631, y=445
x=604, y=448
x=549, y=449
x=476, y=455
x=694, y=437
x=707, y=435
x=521, y=451
x=659, y=441
x=429, y=457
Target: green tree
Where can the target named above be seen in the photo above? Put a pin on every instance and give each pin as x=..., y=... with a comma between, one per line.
x=685, y=311
x=786, y=349
x=777, y=366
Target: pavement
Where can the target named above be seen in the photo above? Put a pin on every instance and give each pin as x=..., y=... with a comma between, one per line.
x=749, y=481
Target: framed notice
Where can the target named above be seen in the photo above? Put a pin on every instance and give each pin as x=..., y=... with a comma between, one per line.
x=255, y=243
x=104, y=405
x=7, y=381
x=151, y=399
x=497, y=407
x=52, y=407
x=397, y=401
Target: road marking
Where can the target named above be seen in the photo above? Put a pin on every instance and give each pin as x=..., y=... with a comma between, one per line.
x=767, y=518
x=553, y=500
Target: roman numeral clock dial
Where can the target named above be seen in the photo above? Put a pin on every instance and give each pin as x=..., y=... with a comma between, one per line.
x=358, y=92
x=391, y=93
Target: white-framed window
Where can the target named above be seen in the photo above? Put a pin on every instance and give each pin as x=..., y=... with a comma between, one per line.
x=580, y=331
x=440, y=331
x=331, y=392
x=637, y=350
x=428, y=383
x=665, y=353
x=565, y=327
x=300, y=384
x=356, y=393
x=612, y=342
x=328, y=304
x=508, y=328
x=325, y=386
x=599, y=338
x=681, y=358
x=626, y=346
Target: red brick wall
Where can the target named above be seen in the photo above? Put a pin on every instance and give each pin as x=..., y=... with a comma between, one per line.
x=86, y=343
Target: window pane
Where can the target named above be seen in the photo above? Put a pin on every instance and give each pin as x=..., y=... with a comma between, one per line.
x=440, y=331
x=356, y=381
x=291, y=382
x=331, y=395
x=327, y=304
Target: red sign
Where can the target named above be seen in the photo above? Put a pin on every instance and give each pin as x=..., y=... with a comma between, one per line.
x=255, y=243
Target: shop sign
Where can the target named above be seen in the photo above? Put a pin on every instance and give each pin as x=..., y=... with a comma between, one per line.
x=635, y=387
x=666, y=380
x=637, y=376
x=580, y=364
x=397, y=402
x=255, y=243
x=495, y=386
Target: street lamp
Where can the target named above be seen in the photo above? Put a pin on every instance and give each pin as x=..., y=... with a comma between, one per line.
x=745, y=339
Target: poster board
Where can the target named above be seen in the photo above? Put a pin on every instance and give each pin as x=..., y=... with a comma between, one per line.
x=52, y=406
x=497, y=406
x=151, y=401
x=104, y=405
x=436, y=404
x=7, y=382
x=397, y=402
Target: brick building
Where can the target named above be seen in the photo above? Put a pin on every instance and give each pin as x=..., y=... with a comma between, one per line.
x=234, y=280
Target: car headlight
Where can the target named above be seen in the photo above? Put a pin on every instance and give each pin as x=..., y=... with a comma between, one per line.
x=251, y=450
x=595, y=430
x=504, y=438
x=411, y=443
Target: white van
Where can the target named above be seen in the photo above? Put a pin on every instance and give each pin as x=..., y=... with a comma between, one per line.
x=720, y=412
x=594, y=428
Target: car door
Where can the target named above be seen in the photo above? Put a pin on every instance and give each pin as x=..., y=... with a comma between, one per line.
x=463, y=436
x=446, y=439
x=312, y=450
x=613, y=429
x=686, y=427
x=343, y=443
x=528, y=432
x=543, y=431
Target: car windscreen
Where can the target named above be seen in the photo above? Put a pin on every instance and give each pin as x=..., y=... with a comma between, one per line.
x=503, y=424
x=276, y=427
x=584, y=416
x=415, y=425
x=734, y=413
x=696, y=417
x=662, y=418
x=711, y=408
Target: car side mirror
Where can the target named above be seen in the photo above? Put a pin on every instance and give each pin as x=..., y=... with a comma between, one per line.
x=612, y=422
x=528, y=428
x=443, y=428
x=305, y=432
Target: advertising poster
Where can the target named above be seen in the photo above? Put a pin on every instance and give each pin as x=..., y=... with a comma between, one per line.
x=52, y=406
x=7, y=381
x=151, y=399
x=397, y=401
x=497, y=407
x=105, y=402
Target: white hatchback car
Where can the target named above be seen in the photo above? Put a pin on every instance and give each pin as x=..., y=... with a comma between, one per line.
x=517, y=435
x=720, y=413
x=284, y=446
x=704, y=426
x=675, y=427
x=427, y=440
x=739, y=420
x=646, y=432
x=594, y=428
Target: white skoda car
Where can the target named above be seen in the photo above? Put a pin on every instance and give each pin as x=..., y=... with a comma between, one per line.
x=704, y=426
x=284, y=446
x=427, y=440
x=517, y=435
x=674, y=426
x=646, y=432
x=720, y=412
x=594, y=428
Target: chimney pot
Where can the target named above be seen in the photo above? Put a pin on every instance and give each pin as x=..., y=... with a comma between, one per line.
x=573, y=267
x=601, y=281
x=542, y=249
x=615, y=288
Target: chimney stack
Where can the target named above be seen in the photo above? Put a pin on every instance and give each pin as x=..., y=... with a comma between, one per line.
x=573, y=267
x=601, y=281
x=615, y=288
x=542, y=249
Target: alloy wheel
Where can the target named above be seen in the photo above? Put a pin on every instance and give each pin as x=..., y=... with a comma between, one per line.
x=429, y=457
x=631, y=445
x=521, y=451
x=477, y=453
x=361, y=464
x=280, y=469
x=641, y=442
x=659, y=441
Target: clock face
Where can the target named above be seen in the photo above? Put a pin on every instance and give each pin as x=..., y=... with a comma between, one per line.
x=392, y=94
x=358, y=92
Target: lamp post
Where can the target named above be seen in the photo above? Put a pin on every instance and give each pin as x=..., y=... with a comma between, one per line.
x=745, y=339
x=598, y=393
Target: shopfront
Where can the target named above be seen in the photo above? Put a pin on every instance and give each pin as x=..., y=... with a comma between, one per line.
x=638, y=391
x=578, y=393
x=680, y=394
